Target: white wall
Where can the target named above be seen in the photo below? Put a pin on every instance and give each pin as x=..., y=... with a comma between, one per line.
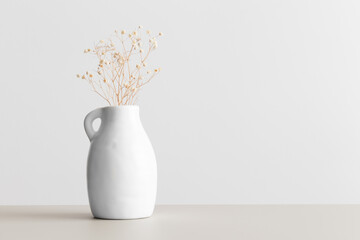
x=258, y=101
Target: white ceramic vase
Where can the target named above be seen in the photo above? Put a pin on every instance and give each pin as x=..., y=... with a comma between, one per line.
x=121, y=170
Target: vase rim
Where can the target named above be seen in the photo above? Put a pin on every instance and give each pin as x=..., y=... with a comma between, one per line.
x=122, y=107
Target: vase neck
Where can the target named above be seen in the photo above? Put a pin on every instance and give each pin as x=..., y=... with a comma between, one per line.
x=122, y=113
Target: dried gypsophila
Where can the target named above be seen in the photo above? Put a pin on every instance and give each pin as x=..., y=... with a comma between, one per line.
x=122, y=66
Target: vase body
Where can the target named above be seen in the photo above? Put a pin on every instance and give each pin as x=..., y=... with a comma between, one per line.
x=121, y=168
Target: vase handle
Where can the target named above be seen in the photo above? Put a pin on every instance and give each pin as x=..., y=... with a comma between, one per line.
x=88, y=122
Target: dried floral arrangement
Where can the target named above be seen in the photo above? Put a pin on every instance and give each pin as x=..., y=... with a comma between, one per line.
x=122, y=65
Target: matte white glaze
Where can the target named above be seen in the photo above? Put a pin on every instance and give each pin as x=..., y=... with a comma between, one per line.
x=121, y=171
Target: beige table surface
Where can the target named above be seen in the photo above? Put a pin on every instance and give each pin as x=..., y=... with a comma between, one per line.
x=186, y=222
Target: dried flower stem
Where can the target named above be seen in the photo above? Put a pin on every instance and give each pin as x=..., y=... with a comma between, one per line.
x=121, y=73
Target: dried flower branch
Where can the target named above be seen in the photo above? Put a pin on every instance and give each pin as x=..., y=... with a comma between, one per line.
x=122, y=66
